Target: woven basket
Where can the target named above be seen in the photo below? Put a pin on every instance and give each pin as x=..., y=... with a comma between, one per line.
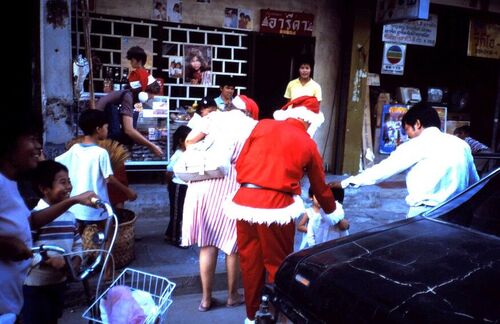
x=123, y=250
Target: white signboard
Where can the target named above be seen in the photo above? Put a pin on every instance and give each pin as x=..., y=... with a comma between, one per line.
x=418, y=32
x=393, y=59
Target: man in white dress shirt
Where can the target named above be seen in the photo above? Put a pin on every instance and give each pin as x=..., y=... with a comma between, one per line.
x=440, y=165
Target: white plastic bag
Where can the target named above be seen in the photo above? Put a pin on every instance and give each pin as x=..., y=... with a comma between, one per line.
x=196, y=165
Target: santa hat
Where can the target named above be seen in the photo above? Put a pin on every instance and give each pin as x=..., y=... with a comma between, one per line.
x=242, y=102
x=305, y=108
x=143, y=96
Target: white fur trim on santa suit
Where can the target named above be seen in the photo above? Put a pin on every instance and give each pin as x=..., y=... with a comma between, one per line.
x=315, y=120
x=151, y=79
x=265, y=215
x=239, y=103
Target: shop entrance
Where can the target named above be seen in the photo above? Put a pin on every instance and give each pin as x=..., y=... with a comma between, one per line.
x=469, y=84
x=274, y=60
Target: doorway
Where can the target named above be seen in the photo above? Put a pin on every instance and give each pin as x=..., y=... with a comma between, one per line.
x=274, y=64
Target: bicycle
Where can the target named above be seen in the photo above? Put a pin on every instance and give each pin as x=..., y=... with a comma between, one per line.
x=159, y=288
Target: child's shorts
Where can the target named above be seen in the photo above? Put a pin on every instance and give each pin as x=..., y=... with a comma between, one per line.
x=43, y=304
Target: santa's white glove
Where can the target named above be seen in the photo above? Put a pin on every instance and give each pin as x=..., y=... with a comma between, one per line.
x=336, y=216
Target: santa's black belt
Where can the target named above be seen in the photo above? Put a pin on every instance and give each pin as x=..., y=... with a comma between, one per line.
x=254, y=186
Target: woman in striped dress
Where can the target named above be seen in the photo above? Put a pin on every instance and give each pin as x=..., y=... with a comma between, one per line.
x=204, y=220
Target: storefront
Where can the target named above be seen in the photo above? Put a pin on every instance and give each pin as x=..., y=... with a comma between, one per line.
x=443, y=60
x=261, y=61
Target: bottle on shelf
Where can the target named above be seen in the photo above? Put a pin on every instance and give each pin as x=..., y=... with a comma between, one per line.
x=116, y=79
x=124, y=79
x=108, y=82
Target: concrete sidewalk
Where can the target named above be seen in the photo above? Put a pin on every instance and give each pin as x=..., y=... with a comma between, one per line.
x=365, y=207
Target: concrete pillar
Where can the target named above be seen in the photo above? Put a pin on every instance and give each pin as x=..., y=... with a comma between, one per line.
x=56, y=74
x=358, y=91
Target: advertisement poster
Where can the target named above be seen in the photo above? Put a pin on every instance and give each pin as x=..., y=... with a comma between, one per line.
x=198, y=64
x=393, y=59
x=175, y=66
x=442, y=112
x=145, y=43
x=174, y=11
x=418, y=32
x=392, y=132
x=238, y=18
x=159, y=10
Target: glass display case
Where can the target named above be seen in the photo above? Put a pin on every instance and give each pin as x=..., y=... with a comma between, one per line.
x=153, y=122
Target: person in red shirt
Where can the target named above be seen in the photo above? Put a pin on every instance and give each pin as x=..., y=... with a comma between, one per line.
x=137, y=57
x=275, y=157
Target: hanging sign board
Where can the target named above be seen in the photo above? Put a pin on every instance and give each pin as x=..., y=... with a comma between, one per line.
x=417, y=32
x=393, y=11
x=484, y=39
x=284, y=22
x=393, y=59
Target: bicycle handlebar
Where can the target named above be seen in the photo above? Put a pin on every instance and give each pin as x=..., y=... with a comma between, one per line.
x=44, y=248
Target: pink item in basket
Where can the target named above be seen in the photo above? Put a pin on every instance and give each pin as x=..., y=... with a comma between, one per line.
x=122, y=308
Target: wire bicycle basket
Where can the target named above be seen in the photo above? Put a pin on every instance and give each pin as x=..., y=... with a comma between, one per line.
x=160, y=289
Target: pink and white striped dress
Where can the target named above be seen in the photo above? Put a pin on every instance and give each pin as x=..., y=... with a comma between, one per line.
x=204, y=220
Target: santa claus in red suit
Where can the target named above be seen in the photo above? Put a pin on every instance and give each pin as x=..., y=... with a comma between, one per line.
x=275, y=157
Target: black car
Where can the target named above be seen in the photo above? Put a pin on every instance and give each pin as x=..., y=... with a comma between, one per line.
x=440, y=267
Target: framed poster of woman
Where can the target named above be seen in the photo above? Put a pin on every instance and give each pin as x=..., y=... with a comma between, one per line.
x=198, y=64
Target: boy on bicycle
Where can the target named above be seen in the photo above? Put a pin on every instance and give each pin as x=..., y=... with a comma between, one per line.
x=46, y=282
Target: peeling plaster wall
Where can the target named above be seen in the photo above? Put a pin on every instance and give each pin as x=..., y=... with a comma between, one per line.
x=56, y=75
x=326, y=31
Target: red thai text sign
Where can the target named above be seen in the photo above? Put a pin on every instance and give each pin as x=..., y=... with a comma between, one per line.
x=283, y=22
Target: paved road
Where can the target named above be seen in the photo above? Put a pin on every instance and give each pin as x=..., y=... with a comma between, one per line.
x=183, y=310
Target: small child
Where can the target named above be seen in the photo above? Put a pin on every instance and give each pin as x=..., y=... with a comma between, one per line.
x=90, y=168
x=319, y=227
x=176, y=188
x=45, y=285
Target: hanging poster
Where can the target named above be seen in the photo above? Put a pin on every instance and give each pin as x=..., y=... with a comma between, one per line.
x=392, y=132
x=159, y=10
x=145, y=43
x=417, y=32
x=174, y=11
x=239, y=18
x=175, y=64
x=442, y=112
x=393, y=59
x=198, y=64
